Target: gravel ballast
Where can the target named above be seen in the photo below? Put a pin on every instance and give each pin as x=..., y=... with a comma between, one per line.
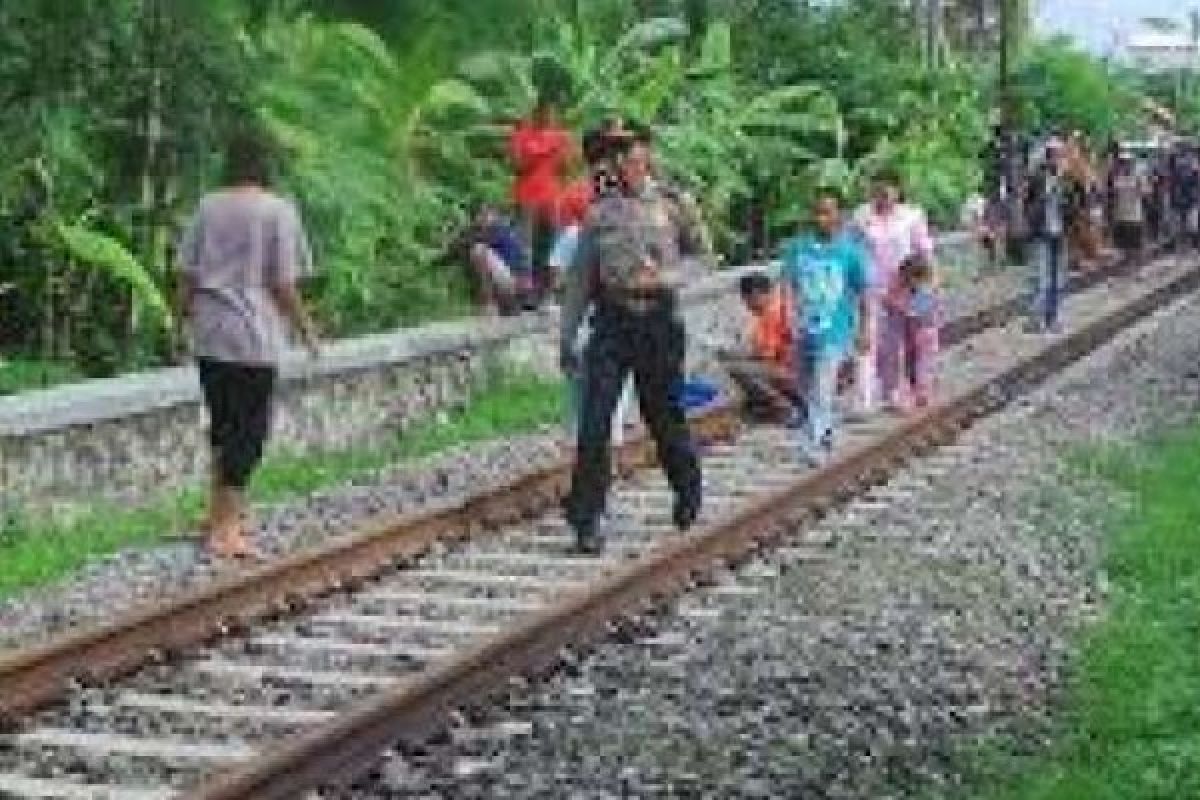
x=858, y=660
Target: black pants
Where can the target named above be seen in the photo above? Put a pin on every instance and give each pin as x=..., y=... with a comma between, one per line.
x=651, y=346
x=238, y=397
x=767, y=395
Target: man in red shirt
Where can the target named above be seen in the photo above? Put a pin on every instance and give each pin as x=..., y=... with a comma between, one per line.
x=541, y=151
x=766, y=370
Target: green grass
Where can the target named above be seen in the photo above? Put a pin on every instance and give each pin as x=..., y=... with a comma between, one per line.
x=1131, y=726
x=35, y=550
x=19, y=375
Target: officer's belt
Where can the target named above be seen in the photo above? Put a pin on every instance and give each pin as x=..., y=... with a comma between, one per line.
x=638, y=300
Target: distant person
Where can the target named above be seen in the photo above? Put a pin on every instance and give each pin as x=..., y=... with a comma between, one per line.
x=1157, y=219
x=1129, y=191
x=825, y=272
x=1050, y=201
x=498, y=261
x=765, y=370
x=1185, y=199
x=978, y=217
x=893, y=231
x=1084, y=240
x=541, y=151
x=241, y=258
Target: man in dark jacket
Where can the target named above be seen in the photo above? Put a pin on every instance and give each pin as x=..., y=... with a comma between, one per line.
x=1185, y=198
x=1051, y=200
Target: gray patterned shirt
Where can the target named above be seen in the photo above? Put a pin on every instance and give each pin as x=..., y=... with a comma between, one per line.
x=628, y=244
x=240, y=244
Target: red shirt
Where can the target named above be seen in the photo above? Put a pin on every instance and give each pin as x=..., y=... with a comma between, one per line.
x=771, y=333
x=572, y=204
x=540, y=155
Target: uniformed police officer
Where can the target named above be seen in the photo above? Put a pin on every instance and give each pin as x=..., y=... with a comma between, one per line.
x=628, y=271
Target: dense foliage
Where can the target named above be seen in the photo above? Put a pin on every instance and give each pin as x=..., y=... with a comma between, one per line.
x=390, y=118
x=1061, y=86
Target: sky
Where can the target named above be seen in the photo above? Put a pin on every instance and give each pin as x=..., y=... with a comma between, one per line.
x=1094, y=21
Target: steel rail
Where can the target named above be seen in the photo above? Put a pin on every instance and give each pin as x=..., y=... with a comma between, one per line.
x=351, y=744
x=33, y=678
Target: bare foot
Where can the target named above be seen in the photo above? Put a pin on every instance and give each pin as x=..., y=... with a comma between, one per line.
x=220, y=547
x=237, y=546
x=228, y=541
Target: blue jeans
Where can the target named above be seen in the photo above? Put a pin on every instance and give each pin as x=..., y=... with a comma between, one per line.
x=1048, y=257
x=819, y=371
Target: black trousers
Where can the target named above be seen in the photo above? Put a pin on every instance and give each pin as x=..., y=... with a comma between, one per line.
x=238, y=397
x=651, y=345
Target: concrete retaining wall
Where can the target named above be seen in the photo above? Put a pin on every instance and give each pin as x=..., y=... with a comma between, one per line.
x=142, y=433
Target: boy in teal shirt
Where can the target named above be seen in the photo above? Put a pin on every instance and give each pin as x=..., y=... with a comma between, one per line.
x=825, y=271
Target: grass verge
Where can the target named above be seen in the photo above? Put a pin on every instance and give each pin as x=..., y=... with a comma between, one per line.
x=35, y=550
x=1131, y=726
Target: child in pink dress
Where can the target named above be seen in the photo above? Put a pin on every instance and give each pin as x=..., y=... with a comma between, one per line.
x=915, y=297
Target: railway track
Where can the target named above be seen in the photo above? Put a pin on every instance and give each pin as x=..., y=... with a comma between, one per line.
x=303, y=672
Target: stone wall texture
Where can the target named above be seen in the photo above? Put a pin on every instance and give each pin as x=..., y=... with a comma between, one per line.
x=142, y=434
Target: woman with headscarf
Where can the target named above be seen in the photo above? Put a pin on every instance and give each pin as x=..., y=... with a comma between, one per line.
x=893, y=231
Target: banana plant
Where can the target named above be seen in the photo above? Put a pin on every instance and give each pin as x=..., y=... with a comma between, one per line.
x=718, y=134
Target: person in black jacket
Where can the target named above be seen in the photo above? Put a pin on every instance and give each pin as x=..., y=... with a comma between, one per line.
x=1185, y=198
x=1051, y=201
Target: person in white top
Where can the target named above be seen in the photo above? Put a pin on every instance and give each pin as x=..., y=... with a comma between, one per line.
x=893, y=231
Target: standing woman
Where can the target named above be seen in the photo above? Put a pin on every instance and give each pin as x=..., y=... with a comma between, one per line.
x=241, y=258
x=893, y=232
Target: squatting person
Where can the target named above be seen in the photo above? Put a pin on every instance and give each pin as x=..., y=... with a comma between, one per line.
x=765, y=368
x=628, y=270
x=241, y=258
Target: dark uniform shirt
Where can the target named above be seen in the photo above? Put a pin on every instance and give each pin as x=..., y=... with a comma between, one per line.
x=630, y=250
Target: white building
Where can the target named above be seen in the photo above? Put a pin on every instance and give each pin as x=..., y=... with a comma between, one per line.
x=1158, y=51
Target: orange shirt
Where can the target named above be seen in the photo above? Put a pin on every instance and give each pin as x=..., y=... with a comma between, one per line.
x=771, y=333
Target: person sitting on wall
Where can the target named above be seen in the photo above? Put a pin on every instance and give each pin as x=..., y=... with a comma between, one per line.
x=498, y=263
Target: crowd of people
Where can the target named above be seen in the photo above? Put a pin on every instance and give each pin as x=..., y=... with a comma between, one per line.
x=1075, y=205
x=847, y=325
x=854, y=311
x=519, y=259
x=854, y=306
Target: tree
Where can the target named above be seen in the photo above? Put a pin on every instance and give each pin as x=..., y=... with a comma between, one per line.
x=1061, y=86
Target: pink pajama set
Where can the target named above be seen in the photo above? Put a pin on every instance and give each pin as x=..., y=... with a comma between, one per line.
x=885, y=371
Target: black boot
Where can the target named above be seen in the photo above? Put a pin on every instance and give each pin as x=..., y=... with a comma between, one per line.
x=588, y=540
x=687, y=509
